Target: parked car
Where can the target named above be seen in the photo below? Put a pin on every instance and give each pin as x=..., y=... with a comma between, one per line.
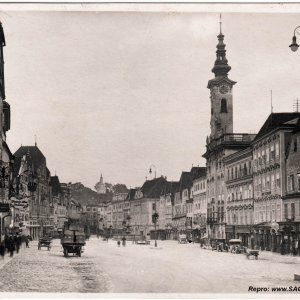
x=182, y=239
x=235, y=246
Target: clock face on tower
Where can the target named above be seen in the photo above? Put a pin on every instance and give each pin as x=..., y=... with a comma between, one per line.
x=224, y=89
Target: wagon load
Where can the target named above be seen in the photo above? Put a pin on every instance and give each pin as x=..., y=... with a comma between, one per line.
x=73, y=240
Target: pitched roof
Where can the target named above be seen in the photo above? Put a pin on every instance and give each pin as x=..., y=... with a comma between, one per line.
x=55, y=184
x=186, y=178
x=154, y=188
x=131, y=194
x=276, y=120
x=34, y=155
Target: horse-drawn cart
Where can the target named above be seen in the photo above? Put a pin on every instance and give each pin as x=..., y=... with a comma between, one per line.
x=44, y=242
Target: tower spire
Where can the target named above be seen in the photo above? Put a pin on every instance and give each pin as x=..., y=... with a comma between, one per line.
x=221, y=67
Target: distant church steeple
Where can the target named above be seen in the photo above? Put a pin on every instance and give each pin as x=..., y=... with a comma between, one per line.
x=100, y=186
x=221, y=93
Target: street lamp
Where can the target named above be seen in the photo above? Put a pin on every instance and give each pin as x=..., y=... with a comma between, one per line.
x=294, y=46
x=154, y=220
x=150, y=170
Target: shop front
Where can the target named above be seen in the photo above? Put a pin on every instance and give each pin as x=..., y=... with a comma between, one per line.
x=242, y=232
x=266, y=236
x=289, y=232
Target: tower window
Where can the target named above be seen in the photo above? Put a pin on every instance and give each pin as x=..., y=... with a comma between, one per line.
x=223, y=105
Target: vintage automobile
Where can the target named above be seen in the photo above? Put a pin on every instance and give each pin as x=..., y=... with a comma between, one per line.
x=44, y=241
x=235, y=246
x=182, y=239
x=253, y=253
x=219, y=245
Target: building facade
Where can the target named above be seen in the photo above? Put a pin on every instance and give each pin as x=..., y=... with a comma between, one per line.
x=200, y=206
x=240, y=200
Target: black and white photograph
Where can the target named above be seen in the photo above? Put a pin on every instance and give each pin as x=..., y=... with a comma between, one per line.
x=150, y=150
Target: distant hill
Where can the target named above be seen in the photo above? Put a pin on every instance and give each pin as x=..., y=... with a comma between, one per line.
x=87, y=196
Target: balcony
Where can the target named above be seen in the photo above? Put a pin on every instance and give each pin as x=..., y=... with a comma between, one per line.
x=230, y=139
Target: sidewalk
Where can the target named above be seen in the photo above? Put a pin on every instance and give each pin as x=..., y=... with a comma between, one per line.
x=6, y=259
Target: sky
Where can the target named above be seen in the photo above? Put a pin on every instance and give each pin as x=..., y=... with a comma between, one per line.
x=117, y=92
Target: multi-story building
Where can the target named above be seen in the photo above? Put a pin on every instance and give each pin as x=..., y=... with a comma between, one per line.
x=118, y=212
x=182, y=217
x=221, y=142
x=240, y=201
x=269, y=177
x=144, y=205
x=38, y=175
x=200, y=205
x=92, y=217
x=55, y=199
x=165, y=212
x=290, y=224
x=6, y=158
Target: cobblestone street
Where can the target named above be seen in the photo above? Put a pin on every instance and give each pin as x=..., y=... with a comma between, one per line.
x=171, y=268
x=48, y=271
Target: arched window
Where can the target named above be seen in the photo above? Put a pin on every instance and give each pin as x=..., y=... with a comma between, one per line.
x=223, y=105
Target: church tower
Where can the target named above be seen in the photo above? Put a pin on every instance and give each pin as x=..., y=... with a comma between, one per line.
x=100, y=186
x=221, y=121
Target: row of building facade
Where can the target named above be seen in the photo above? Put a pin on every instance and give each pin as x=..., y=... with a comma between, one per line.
x=249, y=188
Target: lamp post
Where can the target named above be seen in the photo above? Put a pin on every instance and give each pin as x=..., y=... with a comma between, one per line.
x=294, y=46
x=154, y=220
x=150, y=170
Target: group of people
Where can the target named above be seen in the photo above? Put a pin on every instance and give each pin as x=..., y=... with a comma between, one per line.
x=12, y=243
x=123, y=242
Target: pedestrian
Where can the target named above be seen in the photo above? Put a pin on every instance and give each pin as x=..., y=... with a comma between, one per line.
x=27, y=241
x=2, y=249
x=18, y=242
x=11, y=245
x=118, y=243
x=124, y=241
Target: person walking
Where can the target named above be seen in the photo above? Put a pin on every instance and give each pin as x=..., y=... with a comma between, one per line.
x=124, y=241
x=11, y=246
x=27, y=241
x=2, y=249
x=18, y=242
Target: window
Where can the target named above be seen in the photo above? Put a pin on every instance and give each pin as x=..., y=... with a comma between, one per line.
x=277, y=180
x=224, y=106
x=272, y=181
x=268, y=182
x=272, y=154
x=291, y=183
x=263, y=156
x=277, y=149
x=267, y=154
x=286, y=212
x=263, y=183
x=293, y=211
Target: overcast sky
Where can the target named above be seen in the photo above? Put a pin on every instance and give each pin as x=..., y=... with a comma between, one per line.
x=113, y=93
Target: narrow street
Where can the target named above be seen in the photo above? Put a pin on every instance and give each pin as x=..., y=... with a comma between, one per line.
x=171, y=268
